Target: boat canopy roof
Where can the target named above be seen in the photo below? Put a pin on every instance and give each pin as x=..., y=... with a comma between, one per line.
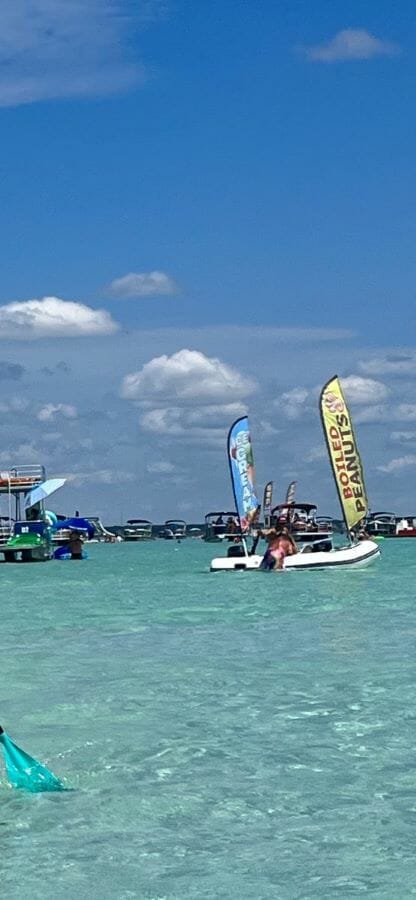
x=305, y=507
x=138, y=522
x=175, y=522
x=379, y=515
x=217, y=514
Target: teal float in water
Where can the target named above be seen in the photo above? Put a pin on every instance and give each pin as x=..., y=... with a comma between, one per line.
x=24, y=772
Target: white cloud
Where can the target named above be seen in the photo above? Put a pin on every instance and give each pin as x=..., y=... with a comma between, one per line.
x=351, y=44
x=161, y=467
x=50, y=411
x=387, y=412
x=100, y=476
x=51, y=437
x=66, y=48
x=25, y=450
x=301, y=401
x=215, y=415
x=368, y=414
x=398, y=464
x=52, y=317
x=364, y=390
x=14, y=405
x=143, y=284
x=163, y=421
x=405, y=412
x=186, y=377
x=403, y=437
x=399, y=363
x=315, y=454
x=294, y=403
x=184, y=420
x=266, y=430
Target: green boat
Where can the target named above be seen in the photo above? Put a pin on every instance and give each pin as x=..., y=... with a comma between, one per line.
x=27, y=536
x=30, y=542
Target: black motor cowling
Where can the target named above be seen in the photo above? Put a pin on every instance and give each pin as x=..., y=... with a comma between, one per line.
x=321, y=546
x=236, y=550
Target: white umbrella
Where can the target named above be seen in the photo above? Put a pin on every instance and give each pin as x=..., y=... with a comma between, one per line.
x=43, y=491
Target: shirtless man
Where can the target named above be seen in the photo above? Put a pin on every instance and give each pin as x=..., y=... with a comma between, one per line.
x=75, y=544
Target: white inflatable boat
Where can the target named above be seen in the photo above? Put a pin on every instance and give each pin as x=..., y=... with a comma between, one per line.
x=360, y=554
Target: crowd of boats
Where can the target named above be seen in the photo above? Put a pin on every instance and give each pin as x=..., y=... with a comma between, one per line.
x=30, y=532
x=38, y=533
x=300, y=518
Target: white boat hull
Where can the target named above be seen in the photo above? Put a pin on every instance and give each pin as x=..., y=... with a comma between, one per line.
x=358, y=555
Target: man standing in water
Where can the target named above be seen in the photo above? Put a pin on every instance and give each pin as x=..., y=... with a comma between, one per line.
x=75, y=544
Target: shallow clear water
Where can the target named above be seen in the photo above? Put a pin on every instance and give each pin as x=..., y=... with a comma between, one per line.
x=240, y=735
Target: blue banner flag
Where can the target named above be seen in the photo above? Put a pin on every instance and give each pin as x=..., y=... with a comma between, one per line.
x=240, y=455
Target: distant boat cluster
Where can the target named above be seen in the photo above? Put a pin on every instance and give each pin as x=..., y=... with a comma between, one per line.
x=388, y=525
x=144, y=530
x=29, y=532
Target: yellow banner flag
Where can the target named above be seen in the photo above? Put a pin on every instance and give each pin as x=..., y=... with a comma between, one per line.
x=343, y=453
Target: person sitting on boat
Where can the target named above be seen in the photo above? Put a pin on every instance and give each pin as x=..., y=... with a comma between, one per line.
x=359, y=534
x=33, y=514
x=218, y=526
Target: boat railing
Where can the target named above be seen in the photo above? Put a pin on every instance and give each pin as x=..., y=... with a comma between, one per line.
x=60, y=534
x=5, y=532
x=381, y=523
x=21, y=478
x=221, y=535
x=139, y=530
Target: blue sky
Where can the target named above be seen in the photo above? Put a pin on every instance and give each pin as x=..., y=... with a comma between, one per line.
x=226, y=193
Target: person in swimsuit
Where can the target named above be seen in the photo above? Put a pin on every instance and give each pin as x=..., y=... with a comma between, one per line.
x=286, y=547
x=280, y=545
x=272, y=536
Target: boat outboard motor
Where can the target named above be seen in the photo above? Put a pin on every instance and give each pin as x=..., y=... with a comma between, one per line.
x=321, y=546
x=236, y=550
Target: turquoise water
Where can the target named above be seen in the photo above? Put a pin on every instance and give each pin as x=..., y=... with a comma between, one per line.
x=240, y=735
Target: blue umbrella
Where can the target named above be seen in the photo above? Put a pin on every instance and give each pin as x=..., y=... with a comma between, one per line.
x=76, y=523
x=25, y=772
x=43, y=491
